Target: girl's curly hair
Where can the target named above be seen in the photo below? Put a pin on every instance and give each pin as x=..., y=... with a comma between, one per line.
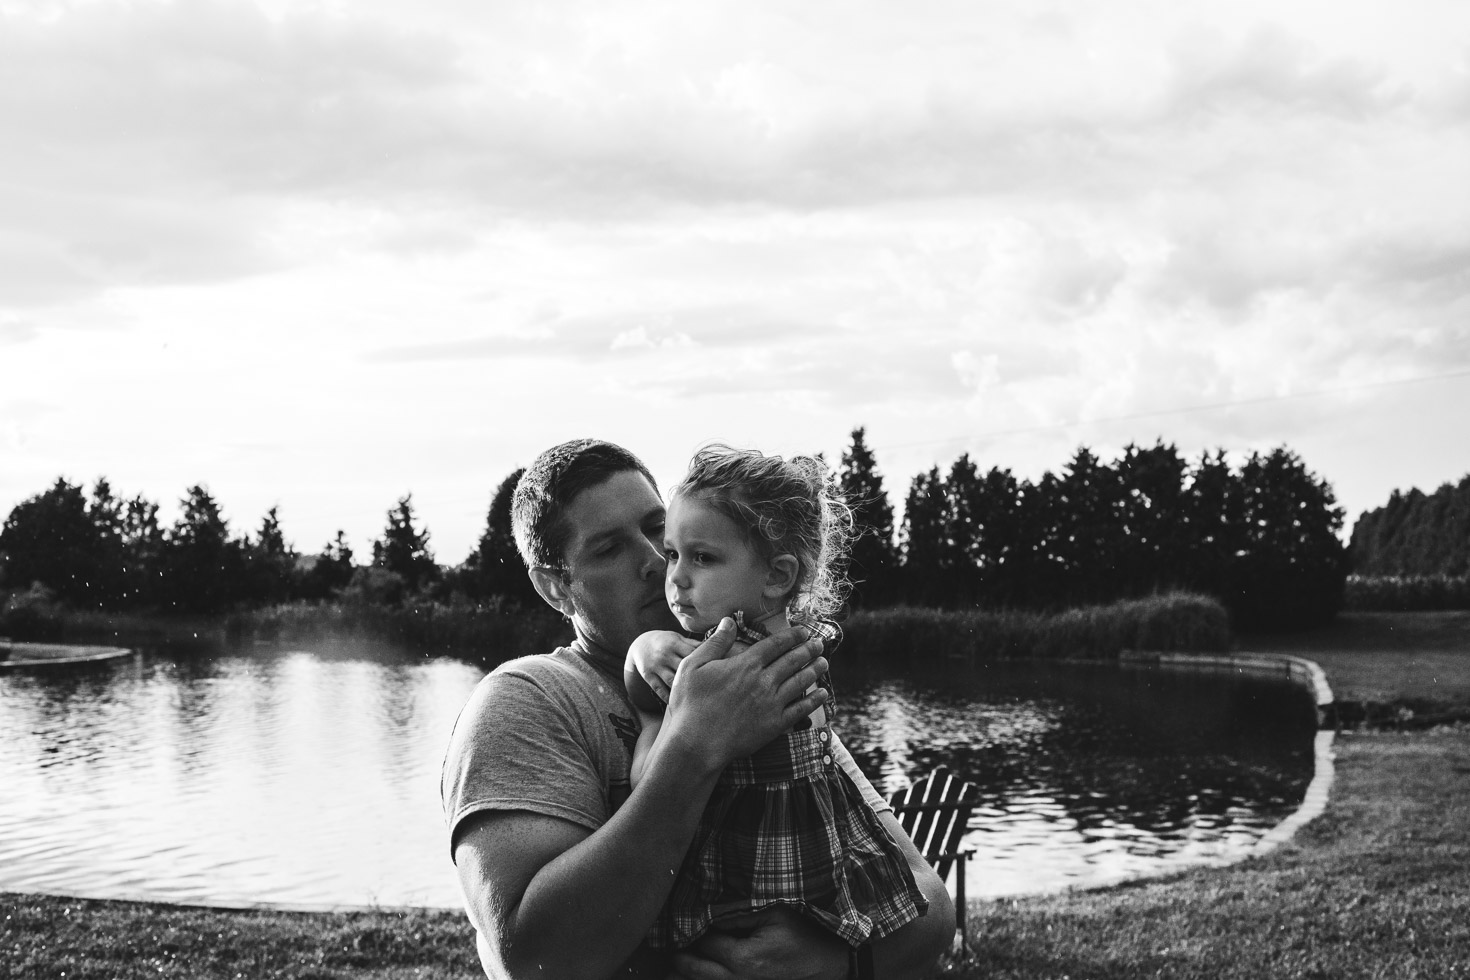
x=785, y=507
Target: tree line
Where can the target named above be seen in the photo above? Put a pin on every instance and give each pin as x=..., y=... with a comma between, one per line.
x=1261, y=537
x=1416, y=534
x=98, y=551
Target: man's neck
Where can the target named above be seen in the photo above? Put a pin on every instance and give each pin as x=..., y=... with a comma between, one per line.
x=593, y=650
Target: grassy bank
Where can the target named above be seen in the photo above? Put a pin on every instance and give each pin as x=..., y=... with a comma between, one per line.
x=45, y=938
x=1398, y=669
x=1375, y=888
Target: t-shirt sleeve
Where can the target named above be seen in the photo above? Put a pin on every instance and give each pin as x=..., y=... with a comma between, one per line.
x=849, y=765
x=518, y=745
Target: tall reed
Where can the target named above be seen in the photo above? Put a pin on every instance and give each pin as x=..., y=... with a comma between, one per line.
x=906, y=635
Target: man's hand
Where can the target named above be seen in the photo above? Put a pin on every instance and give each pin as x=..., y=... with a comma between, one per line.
x=725, y=706
x=776, y=944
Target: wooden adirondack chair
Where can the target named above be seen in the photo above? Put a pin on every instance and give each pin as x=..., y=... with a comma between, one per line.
x=935, y=812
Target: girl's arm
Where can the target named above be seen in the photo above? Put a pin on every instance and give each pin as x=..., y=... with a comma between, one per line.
x=648, y=670
x=652, y=722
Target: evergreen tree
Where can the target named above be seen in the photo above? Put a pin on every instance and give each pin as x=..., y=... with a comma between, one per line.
x=960, y=541
x=1087, y=543
x=1151, y=514
x=330, y=571
x=874, y=563
x=1214, y=525
x=270, y=562
x=52, y=538
x=495, y=566
x=204, y=566
x=1292, y=568
x=924, y=535
x=404, y=550
x=144, y=545
x=996, y=543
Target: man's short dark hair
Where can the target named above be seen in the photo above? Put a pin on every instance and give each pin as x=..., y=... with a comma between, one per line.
x=549, y=486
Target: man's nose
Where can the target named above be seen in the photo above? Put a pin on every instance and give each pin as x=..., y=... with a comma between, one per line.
x=653, y=561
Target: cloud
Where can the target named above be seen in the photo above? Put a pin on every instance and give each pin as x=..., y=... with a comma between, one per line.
x=1272, y=70
x=594, y=338
x=14, y=330
x=157, y=143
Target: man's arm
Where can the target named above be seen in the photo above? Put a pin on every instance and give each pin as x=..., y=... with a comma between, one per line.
x=551, y=899
x=912, y=951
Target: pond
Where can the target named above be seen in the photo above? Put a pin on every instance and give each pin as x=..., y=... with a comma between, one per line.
x=298, y=777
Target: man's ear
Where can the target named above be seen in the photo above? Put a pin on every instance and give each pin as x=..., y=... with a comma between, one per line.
x=781, y=576
x=552, y=585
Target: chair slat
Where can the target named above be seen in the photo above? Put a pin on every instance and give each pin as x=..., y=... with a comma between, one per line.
x=935, y=811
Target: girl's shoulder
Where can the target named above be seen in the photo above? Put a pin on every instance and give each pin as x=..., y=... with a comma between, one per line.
x=823, y=629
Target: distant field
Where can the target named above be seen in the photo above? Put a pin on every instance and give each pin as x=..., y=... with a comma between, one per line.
x=1420, y=659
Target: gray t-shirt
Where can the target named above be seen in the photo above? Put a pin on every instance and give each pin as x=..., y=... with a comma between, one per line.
x=550, y=734
x=553, y=734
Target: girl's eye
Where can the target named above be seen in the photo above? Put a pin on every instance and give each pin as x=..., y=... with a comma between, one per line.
x=704, y=557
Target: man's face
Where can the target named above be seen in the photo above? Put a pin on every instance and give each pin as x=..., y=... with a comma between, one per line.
x=615, y=565
x=712, y=569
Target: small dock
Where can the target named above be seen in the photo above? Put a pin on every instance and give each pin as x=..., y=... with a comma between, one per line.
x=14, y=656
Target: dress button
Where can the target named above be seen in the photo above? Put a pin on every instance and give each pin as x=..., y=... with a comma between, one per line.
x=826, y=760
x=823, y=735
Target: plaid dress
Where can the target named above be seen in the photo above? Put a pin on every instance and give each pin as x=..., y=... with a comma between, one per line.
x=787, y=827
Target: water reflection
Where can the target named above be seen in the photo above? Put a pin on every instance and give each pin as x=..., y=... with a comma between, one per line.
x=277, y=777
x=1087, y=772
x=291, y=776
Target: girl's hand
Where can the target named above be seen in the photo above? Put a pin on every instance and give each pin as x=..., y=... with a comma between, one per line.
x=655, y=658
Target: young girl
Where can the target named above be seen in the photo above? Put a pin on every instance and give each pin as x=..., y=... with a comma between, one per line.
x=759, y=539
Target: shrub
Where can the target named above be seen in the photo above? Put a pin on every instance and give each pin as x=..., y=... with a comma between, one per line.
x=31, y=615
x=490, y=631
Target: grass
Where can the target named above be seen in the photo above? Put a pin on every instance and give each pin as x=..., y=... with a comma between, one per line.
x=1378, y=887
x=1407, y=669
x=47, y=938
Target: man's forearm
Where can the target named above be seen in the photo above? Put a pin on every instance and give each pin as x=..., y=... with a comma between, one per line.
x=913, y=950
x=585, y=912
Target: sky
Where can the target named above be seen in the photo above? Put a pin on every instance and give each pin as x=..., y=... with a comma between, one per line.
x=320, y=255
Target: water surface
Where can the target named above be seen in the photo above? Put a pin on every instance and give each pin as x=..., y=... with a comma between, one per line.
x=311, y=777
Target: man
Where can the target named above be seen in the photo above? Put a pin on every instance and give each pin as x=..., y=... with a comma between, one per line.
x=564, y=868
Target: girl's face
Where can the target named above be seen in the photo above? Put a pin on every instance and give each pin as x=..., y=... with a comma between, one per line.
x=712, y=571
